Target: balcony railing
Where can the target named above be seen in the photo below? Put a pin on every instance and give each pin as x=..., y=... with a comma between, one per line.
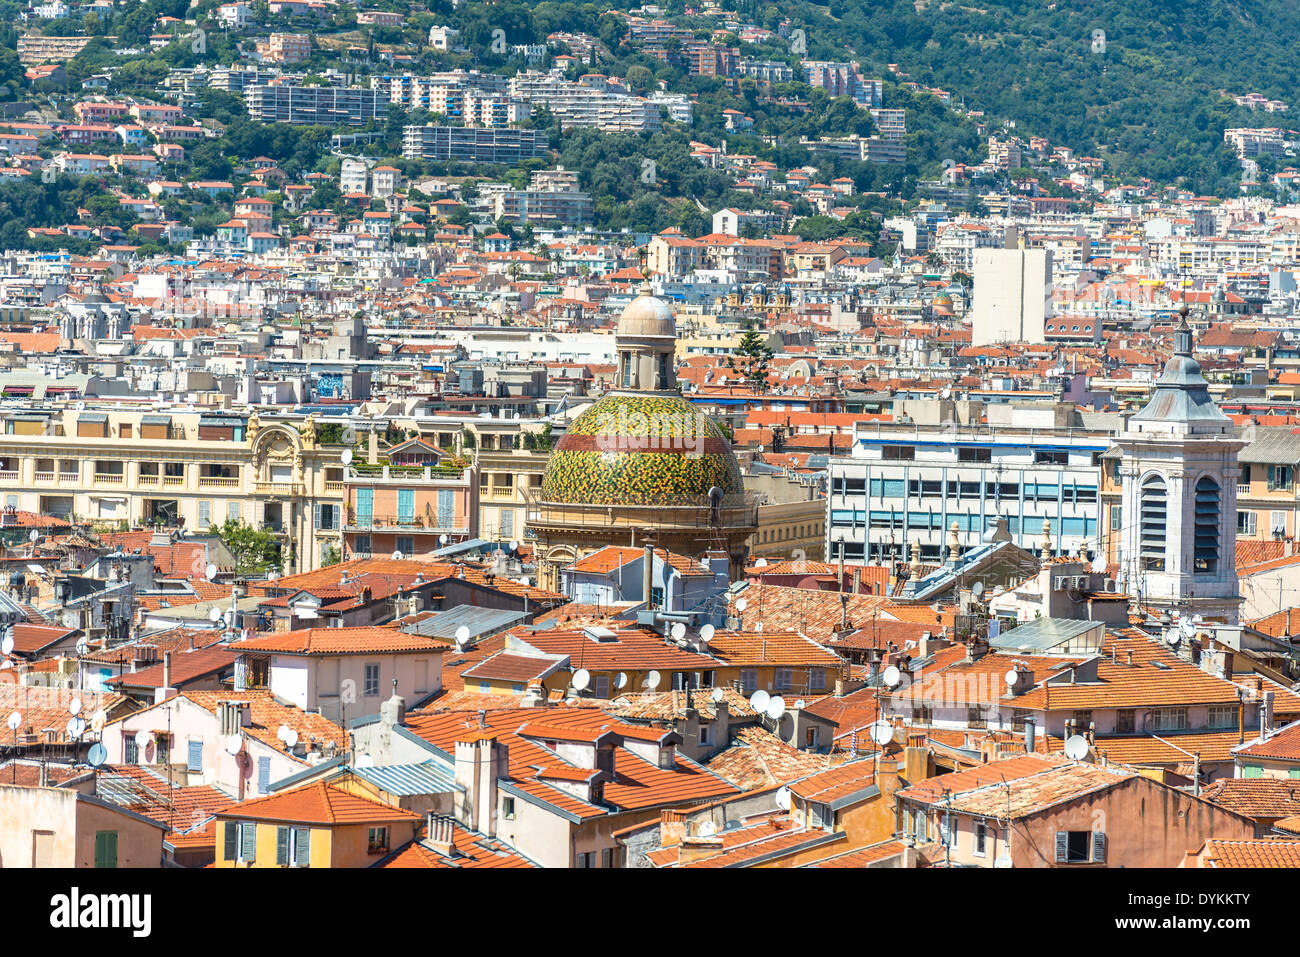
x=218, y=481
x=45, y=476
x=277, y=488
x=143, y=479
x=173, y=481
x=416, y=523
x=333, y=486
x=8, y=475
x=109, y=478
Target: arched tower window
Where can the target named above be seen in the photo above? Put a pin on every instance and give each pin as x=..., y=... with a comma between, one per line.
x=1153, y=500
x=1206, y=555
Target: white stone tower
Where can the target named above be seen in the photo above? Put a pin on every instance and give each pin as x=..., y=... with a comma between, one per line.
x=1179, y=509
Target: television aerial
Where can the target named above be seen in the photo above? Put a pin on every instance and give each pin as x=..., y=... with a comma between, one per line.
x=652, y=680
x=891, y=677
x=882, y=732
x=1076, y=747
x=234, y=743
x=97, y=755
x=581, y=678
x=759, y=700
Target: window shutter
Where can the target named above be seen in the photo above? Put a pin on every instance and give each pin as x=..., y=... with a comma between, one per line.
x=232, y=840
x=282, y=846
x=195, y=756
x=248, y=842
x=1062, y=846
x=302, y=846
x=316, y=519
x=1099, y=847
x=264, y=774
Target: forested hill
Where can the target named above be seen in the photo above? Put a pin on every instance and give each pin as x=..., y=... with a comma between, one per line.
x=1150, y=104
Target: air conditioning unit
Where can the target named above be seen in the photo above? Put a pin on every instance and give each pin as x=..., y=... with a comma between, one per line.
x=1079, y=582
x=1111, y=585
x=1060, y=583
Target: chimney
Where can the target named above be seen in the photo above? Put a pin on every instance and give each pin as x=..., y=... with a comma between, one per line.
x=167, y=669
x=440, y=832
x=1266, y=713
x=1029, y=735
x=647, y=574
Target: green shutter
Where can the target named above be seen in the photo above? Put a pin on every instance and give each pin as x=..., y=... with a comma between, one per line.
x=1252, y=771
x=106, y=848
x=248, y=842
x=302, y=846
x=232, y=840
x=282, y=846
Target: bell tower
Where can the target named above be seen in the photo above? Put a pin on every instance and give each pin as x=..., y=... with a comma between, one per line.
x=1178, y=471
x=645, y=340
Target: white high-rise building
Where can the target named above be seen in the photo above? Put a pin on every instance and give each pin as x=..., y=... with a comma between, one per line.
x=1012, y=295
x=1179, y=473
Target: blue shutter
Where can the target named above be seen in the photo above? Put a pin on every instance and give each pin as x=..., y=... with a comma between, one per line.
x=302, y=846
x=282, y=846
x=446, y=507
x=263, y=774
x=405, y=505
x=248, y=842
x=365, y=505
x=195, y=757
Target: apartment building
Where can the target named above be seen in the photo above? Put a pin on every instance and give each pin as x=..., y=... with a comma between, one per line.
x=320, y=105
x=844, y=79
x=587, y=104
x=34, y=48
x=1247, y=142
x=904, y=485
x=472, y=144
x=766, y=71
x=186, y=468
x=566, y=207
x=286, y=48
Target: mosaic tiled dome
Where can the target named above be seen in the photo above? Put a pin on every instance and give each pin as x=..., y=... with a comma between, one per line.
x=630, y=449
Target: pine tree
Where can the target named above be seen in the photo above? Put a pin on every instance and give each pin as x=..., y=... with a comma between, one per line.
x=753, y=354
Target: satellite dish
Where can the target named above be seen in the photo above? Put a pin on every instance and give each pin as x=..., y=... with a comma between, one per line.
x=620, y=680
x=290, y=737
x=397, y=556
x=83, y=646
x=142, y=738
x=462, y=635
x=1003, y=861
x=652, y=680
x=782, y=798
x=718, y=695
x=1076, y=747
x=211, y=572
x=882, y=732
x=7, y=645
x=892, y=676
x=581, y=678
x=678, y=631
x=977, y=589
x=1011, y=677
x=15, y=720
x=98, y=720
x=214, y=614
x=514, y=545
x=708, y=829
x=347, y=456
x=1173, y=639
x=33, y=535
x=706, y=632
x=800, y=705
x=776, y=708
x=1187, y=627
x=74, y=707
x=282, y=732
x=97, y=755
x=442, y=539
x=741, y=605
x=365, y=761
x=234, y=743
x=75, y=728
x=759, y=700
x=761, y=563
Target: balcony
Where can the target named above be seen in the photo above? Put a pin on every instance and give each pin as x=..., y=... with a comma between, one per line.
x=403, y=523
x=9, y=475
x=334, y=487
x=277, y=488
x=143, y=479
x=173, y=481
x=109, y=478
x=45, y=476
x=218, y=481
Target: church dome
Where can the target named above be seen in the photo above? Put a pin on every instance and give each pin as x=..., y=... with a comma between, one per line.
x=641, y=450
x=646, y=315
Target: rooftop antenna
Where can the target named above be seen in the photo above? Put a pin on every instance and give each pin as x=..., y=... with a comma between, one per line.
x=15, y=722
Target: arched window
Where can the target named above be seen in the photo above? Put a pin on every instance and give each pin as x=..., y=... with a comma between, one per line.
x=1151, y=535
x=1207, y=526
